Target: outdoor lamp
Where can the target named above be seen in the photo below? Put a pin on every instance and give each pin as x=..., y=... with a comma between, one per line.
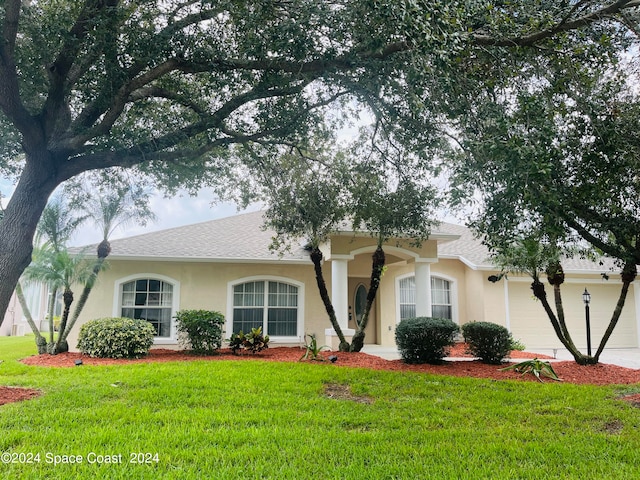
x=586, y=297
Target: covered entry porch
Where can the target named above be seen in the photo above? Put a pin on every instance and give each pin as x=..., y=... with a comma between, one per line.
x=350, y=262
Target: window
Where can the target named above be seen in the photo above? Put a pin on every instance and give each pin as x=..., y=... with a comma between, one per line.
x=149, y=299
x=441, y=303
x=441, y=298
x=268, y=304
x=407, y=297
x=360, y=302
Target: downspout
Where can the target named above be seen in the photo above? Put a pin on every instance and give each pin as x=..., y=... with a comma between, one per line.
x=507, y=314
x=636, y=296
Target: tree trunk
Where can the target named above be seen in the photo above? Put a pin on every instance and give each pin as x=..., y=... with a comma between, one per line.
x=17, y=228
x=629, y=273
x=316, y=258
x=50, y=311
x=555, y=275
x=377, y=267
x=83, y=298
x=540, y=294
x=41, y=342
x=61, y=345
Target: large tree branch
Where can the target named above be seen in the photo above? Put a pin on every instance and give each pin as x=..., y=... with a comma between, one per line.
x=212, y=121
x=158, y=92
x=609, y=249
x=164, y=151
x=10, y=101
x=99, y=107
x=61, y=66
x=564, y=25
x=10, y=25
x=90, y=114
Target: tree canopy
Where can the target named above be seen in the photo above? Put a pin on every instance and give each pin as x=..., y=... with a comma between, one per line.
x=178, y=91
x=557, y=165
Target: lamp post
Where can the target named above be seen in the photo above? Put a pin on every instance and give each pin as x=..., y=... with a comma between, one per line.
x=586, y=298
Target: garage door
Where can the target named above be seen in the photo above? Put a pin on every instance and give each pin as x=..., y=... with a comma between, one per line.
x=530, y=324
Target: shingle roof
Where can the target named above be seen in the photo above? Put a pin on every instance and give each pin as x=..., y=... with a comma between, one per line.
x=242, y=238
x=236, y=238
x=469, y=249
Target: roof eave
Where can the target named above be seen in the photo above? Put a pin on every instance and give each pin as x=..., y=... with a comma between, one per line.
x=154, y=258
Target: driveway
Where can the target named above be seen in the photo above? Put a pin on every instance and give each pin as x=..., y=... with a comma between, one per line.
x=624, y=357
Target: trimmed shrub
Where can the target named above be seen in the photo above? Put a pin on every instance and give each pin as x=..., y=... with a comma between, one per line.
x=425, y=339
x=116, y=338
x=201, y=330
x=490, y=342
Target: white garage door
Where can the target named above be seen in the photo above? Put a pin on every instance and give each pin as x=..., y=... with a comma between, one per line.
x=531, y=325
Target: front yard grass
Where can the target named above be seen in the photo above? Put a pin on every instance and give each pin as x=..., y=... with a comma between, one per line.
x=231, y=419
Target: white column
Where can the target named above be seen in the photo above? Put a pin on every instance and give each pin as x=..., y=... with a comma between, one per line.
x=507, y=315
x=423, y=289
x=340, y=291
x=636, y=296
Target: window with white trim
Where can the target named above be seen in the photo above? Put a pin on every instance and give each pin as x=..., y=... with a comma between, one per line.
x=441, y=298
x=268, y=304
x=407, y=297
x=149, y=299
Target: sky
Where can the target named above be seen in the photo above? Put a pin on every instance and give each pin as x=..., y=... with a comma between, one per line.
x=171, y=212
x=177, y=211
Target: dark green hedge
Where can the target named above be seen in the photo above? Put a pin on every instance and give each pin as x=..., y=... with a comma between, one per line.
x=425, y=339
x=490, y=342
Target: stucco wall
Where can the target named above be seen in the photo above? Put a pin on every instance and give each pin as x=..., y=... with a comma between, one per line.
x=205, y=286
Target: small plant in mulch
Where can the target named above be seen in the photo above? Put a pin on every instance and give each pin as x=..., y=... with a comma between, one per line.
x=535, y=367
x=313, y=350
x=253, y=342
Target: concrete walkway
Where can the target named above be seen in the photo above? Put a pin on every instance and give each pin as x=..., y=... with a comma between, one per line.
x=624, y=357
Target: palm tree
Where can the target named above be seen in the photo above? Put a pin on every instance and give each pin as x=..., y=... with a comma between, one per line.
x=55, y=229
x=41, y=342
x=110, y=211
x=58, y=270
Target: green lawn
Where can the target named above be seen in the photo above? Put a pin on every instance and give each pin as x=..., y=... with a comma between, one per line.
x=230, y=419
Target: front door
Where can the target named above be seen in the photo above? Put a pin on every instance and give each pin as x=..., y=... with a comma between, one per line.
x=358, y=293
x=360, y=302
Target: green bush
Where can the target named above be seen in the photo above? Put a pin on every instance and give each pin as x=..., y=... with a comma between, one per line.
x=253, y=341
x=490, y=342
x=116, y=338
x=424, y=339
x=201, y=330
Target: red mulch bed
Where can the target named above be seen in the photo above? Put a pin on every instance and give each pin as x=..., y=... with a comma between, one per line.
x=16, y=394
x=568, y=371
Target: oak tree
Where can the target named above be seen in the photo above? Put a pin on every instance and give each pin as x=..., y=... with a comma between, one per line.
x=174, y=90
